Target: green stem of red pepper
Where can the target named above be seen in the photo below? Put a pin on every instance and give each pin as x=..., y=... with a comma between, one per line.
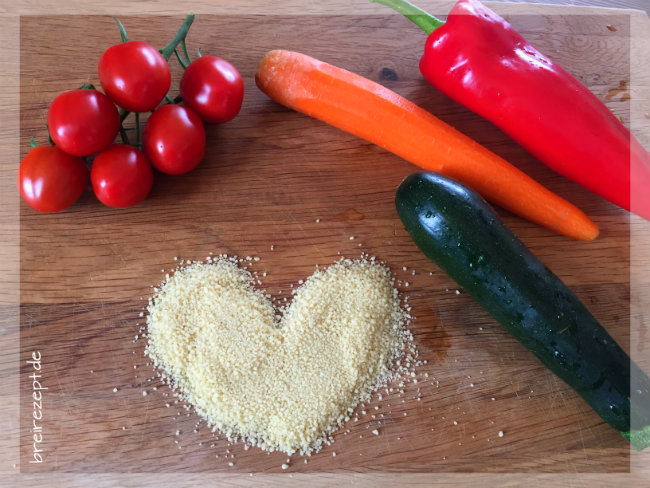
x=424, y=20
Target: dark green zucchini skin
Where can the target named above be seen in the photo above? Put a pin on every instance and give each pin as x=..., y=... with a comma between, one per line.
x=459, y=231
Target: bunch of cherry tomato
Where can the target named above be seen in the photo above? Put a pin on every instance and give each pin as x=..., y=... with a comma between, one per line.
x=85, y=122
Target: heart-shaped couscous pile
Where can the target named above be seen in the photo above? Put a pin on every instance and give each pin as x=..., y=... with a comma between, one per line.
x=280, y=382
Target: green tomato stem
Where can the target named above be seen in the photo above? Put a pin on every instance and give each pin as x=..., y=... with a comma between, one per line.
x=123, y=114
x=87, y=86
x=124, y=136
x=169, y=49
x=198, y=53
x=137, y=131
x=32, y=143
x=182, y=62
x=123, y=35
x=185, y=53
x=169, y=100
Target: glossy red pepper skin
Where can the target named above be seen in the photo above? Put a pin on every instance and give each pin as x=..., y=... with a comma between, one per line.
x=479, y=60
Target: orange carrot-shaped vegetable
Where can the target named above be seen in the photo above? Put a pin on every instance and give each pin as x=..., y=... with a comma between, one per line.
x=379, y=115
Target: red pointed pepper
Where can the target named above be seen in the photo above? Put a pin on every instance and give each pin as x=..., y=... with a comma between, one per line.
x=479, y=60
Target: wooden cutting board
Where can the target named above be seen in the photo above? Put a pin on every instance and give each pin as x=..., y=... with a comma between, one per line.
x=292, y=190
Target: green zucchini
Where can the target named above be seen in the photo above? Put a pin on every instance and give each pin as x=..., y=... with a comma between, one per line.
x=458, y=230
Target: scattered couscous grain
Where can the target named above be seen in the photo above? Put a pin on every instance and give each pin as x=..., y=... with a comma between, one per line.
x=280, y=382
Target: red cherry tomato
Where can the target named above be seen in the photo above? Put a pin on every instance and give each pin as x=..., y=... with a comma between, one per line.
x=83, y=122
x=174, y=139
x=213, y=88
x=121, y=176
x=135, y=75
x=50, y=180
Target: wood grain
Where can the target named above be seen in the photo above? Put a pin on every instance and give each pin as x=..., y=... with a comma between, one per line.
x=266, y=179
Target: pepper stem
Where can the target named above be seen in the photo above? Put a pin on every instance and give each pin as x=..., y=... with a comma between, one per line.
x=169, y=49
x=424, y=20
